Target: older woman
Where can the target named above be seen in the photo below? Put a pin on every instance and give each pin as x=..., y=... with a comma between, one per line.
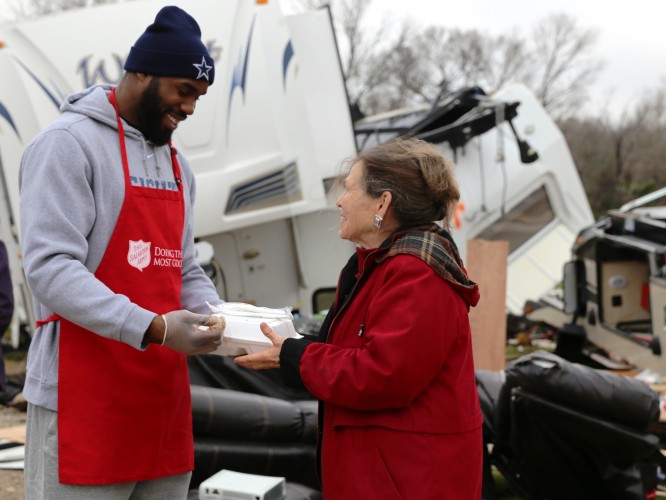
x=393, y=366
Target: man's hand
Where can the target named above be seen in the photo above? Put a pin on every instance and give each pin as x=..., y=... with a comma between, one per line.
x=216, y=322
x=270, y=358
x=183, y=334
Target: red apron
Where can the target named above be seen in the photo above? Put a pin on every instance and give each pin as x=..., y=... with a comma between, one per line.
x=125, y=414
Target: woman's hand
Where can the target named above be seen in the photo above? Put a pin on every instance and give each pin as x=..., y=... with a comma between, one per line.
x=270, y=358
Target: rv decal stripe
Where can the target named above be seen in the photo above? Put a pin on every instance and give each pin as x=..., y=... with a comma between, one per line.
x=239, y=74
x=286, y=59
x=4, y=112
x=247, y=53
x=54, y=100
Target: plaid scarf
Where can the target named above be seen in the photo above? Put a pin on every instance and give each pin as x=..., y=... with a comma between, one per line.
x=434, y=246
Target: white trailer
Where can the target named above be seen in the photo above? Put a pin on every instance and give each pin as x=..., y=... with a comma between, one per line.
x=267, y=139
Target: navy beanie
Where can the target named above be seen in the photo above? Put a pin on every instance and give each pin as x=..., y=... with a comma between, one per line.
x=172, y=46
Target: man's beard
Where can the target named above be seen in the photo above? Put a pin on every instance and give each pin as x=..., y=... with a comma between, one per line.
x=152, y=116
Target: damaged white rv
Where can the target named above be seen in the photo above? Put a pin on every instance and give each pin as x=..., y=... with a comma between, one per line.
x=268, y=137
x=612, y=307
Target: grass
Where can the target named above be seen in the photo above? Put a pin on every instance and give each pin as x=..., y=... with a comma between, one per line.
x=516, y=351
x=503, y=489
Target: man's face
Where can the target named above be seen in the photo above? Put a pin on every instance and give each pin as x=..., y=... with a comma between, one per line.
x=165, y=103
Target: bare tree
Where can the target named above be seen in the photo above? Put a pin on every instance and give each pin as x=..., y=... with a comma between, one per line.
x=391, y=77
x=557, y=63
x=591, y=145
x=620, y=159
x=465, y=58
x=509, y=60
x=565, y=66
x=644, y=148
x=14, y=10
x=400, y=65
x=358, y=44
x=42, y=7
x=23, y=9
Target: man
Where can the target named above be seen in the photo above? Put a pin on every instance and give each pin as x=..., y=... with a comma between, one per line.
x=106, y=223
x=6, y=313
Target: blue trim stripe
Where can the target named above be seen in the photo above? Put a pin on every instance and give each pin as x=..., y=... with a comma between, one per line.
x=54, y=100
x=287, y=56
x=239, y=74
x=4, y=112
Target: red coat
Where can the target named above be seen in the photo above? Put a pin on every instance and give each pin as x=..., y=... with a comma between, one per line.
x=396, y=376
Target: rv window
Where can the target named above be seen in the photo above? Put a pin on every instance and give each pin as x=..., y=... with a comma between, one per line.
x=322, y=300
x=522, y=222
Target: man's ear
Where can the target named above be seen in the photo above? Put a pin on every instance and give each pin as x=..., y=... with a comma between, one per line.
x=143, y=79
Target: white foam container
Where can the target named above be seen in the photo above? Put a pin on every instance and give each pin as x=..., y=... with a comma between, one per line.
x=242, y=334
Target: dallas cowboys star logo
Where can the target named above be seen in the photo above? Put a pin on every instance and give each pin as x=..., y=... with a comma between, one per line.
x=202, y=68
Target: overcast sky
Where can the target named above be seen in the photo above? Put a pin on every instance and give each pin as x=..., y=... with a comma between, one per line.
x=631, y=34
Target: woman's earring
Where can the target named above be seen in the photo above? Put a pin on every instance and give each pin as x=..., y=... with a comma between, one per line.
x=378, y=221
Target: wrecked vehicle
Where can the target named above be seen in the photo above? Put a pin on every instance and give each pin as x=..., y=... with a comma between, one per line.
x=612, y=305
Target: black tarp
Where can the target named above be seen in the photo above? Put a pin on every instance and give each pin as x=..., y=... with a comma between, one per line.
x=562, y=430
x=248, y=421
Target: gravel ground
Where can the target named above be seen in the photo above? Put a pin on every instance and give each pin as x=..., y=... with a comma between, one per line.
x=11, y=481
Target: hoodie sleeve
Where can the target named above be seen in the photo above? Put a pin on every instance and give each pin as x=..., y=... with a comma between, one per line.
x=58, y=212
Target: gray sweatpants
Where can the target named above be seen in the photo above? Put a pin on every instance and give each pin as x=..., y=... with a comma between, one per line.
x=41, y=470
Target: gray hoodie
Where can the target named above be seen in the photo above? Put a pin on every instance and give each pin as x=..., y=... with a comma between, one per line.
x=72, y=188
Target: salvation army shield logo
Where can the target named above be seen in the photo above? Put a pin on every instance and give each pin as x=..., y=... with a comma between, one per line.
x=138, y=254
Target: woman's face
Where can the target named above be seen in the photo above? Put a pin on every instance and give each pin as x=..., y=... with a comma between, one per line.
x=357, y=211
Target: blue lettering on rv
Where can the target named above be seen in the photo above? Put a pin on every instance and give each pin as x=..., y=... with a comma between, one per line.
x=100, y=74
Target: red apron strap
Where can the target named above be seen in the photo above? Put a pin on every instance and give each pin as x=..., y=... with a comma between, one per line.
x=41, y=322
